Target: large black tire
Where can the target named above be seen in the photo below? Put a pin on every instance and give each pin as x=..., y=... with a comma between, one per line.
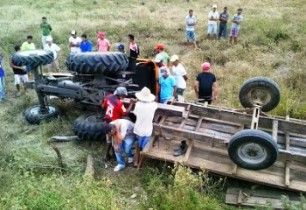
x=97, y=63
x=33, y=58
x=253, y=149
x=259, y=90
x=33, y=114
x=90, y=127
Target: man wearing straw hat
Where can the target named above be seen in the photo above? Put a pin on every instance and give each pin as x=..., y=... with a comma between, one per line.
x=144, y=111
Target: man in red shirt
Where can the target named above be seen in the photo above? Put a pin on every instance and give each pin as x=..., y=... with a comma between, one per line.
x=114, y=110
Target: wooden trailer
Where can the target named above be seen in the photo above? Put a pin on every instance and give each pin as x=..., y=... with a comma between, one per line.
x=245, y=144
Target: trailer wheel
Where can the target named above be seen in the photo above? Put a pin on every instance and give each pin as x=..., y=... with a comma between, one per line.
x=33, y=114
x=89, y=127
x=259, y=90
x=33, y=58
x=97, y=63
x=253, y=149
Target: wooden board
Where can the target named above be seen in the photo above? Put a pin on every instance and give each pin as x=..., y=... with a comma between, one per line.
x=260, y=197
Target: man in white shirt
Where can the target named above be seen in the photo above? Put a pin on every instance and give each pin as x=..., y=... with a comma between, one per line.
x=213, y=17
x=144, y=111
x=74, y=42
x=180, y=75
x=121, y=131
x=190, y=28
x=55, y=49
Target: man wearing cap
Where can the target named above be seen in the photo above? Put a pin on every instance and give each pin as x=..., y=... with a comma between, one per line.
x=159, y=62
x=180, y=75
x=223, y=24
x=159, y=48
x=114, y=109
x=120, y=47
x=86, y=45
x=235, y=29
x=121, y=132
x=55, y=49
x=190, y=28
x=213, y=17
x=74, y=42
x=167, y=85
x=103, y=45
x=144, y=111
x=205, y=86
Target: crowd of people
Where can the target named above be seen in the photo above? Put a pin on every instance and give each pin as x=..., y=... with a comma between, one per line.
x=172, y=79
x=213, y=31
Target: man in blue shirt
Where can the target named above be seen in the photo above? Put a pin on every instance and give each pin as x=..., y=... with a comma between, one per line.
x=223, y=24
x=86, y=45
x=2, y=82
x=167, y=85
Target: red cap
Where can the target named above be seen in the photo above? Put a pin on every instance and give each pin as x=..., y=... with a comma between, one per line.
x=159, y=47
x=100, y=34
x=205, y=66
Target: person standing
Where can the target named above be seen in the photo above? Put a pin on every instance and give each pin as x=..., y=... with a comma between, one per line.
x=190, y=28
x=123, y=138
x=103, y=45
x=46, y=29
x=28, y=45
x=167, y=85
x=213, y=17
x=55, y=49
x=205, y=86
x=114, y=109
x=223, y=24
x=180, y=75
x=160, y=50
x=2, y=81
x=20, y=73
x=144, y=111
x=235, y=29
x=74, y=42
x=134, y=48
x=86, y=45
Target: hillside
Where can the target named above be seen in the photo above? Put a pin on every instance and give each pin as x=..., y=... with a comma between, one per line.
x=272, y=44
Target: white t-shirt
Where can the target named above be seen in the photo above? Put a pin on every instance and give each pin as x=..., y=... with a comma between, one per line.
x=144, y=118
x=75, y=41
x=178, y=72
x=53, y=48
x=215, y=16
x=190, y=20
x=126, y=126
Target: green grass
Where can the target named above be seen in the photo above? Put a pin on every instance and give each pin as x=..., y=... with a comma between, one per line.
x=272, y=44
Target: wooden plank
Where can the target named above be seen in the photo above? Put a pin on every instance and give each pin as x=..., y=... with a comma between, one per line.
x=187, y=155
x=287, y=174
x=287, y=141
x=198, y=124
x=275, y=130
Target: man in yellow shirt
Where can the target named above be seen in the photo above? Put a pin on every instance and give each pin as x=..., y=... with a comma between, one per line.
x=28, y=45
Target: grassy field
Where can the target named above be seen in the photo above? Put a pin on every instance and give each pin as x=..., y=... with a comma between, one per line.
x=272, y=44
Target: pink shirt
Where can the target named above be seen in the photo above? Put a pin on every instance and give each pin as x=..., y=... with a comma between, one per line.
x=103, y=45
x=133, y=46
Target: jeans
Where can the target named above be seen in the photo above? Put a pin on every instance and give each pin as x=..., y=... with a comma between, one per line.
x=222, y=31
x=125, y=146
x=143, y=141
x=2, y=88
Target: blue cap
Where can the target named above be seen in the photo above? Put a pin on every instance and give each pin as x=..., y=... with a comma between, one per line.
x=120, y=46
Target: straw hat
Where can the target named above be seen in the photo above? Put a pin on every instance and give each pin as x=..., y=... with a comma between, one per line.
x=145, y=95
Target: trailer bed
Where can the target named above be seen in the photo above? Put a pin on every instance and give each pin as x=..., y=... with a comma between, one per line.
x=207, y=131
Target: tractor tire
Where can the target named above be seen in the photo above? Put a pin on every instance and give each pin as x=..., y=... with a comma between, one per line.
x=108, y=63
x=33, y=58
x=34, y=116
x=253, y=149
x=259, y=91
x=90, y=127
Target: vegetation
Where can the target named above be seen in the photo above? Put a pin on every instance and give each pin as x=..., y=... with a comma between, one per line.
x=272, y=44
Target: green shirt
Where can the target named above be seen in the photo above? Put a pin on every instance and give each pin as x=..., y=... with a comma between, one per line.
x=46, y=29
x=27, y=46
x=165, y=56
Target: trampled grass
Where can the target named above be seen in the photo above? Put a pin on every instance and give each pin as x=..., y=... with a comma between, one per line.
x=272, y=44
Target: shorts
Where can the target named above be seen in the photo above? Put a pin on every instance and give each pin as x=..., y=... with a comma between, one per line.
x=108, y=138
x=202, y=99
x=191, y=36
x=143, y=141
x=20, y=77
x=212, y=29
x=234, y=32
x=180, y=91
